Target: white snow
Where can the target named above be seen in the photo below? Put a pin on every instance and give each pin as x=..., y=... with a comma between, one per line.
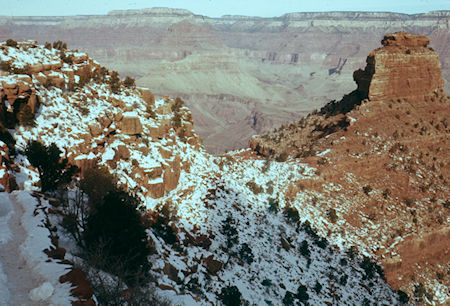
x=42, y=292
x=23, y=262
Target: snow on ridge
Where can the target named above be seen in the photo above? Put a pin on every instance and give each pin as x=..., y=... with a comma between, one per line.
x=251, y=192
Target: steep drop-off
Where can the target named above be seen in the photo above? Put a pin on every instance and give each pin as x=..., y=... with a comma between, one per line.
x=383, y=151
x=270, y=69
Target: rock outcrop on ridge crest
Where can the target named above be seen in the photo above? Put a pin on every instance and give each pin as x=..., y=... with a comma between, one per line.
x=403, y=68
x=382, y=161
x=70, y=102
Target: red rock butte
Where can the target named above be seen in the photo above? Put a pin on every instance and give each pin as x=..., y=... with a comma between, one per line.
x=405, y=67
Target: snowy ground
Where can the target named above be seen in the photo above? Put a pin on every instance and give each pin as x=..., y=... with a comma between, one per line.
x=27, y=276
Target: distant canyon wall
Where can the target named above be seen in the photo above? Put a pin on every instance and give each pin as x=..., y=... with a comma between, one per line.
x=240, y=75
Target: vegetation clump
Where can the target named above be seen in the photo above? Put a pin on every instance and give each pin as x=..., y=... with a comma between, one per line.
x=116, y=229
x=54, y=171
x=231, y=296
x=11, y=43
x=129, y=82
x=114, y=82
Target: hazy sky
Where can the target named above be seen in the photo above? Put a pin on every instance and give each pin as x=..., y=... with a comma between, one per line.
x=216, y=8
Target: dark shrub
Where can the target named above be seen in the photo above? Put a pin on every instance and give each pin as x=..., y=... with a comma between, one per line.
x=317, y=287
x=161, y=226
x=245, y=253
x=6, y=137
x=321, y=242
x=163, y=229
x=116, y=229
x=343, y=280
x=129, y=82
x=114, y=82
x=331, y=213
x=304, y=250
x=367, y=189
x=230, y=232
x=25, y=116
x=302, y=293
x=402, y=297
x=97, y=183
x=230, y=296
x=288, y=298
x=11, y=43
x=273, y=205
x=53, y=171
x=369, y=267
x=291, y=214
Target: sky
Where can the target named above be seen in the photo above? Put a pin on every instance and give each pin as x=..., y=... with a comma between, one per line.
x=216, y=8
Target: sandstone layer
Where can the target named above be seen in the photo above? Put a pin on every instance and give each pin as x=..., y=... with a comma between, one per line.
x=404, y=68
x=240, y=75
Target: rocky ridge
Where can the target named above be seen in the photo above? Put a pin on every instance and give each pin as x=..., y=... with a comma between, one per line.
x=92, y=124
x=381, y=149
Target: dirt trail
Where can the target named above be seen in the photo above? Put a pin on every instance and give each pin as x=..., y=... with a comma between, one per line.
x=20, y=278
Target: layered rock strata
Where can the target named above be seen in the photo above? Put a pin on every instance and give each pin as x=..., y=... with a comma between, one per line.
x=405, y=67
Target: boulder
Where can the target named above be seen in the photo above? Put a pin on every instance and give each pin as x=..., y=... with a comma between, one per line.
x=83, y=163
x=95, y=129
x=147, y=96
x=55, y=253
x=105, y=121
x=81, y=287
x=172, y=175
x=161, y=130
x=213, y=266
x=154, y=173
x=165, y=109
x=170, y=271
x=122, y=152
x=155, y=190
x=130, y=125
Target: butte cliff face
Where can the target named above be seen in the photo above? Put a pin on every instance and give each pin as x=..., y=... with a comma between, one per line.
x=404, y=68
x=269, y=69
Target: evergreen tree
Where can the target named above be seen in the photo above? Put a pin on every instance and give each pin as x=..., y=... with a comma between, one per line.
x=53, y=171
x=115, y=229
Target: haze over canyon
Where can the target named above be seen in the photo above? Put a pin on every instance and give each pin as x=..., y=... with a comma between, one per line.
x=239, y=75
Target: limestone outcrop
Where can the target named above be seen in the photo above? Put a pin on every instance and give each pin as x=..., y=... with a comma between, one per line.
x=403, y=68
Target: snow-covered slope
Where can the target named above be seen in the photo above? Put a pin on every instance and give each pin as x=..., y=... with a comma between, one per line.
x=215, y=221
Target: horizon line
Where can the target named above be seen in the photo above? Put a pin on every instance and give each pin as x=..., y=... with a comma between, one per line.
x=230, y=15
